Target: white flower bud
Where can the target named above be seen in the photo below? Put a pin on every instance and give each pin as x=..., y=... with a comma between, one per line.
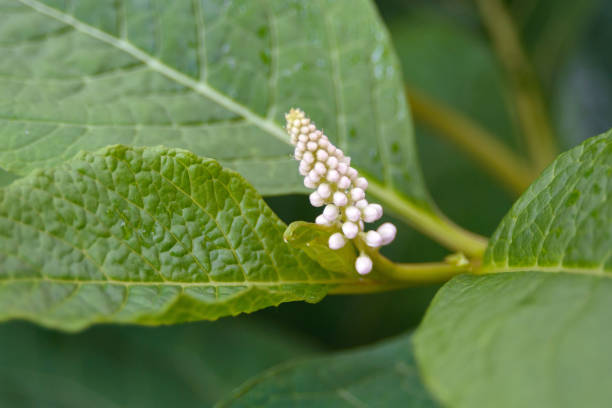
x=297, y=123
x=304, y=130
x=370, y=213
x=342, y=168
x=331, y=149
x=361, y=204
x=308, y=183
x=332, y=162
x=323, y=143
x=315, y=199
x=314, y=176
x=352, y=213
x=311, y=127
x=324, y=190
x=333, y=176
x=362, y=183
x=308, y=157
x=344, y=183
x=373, y=239
x=312, y=146
x=322, y=155
x=387, y=232
x=363, y=265
x=357, y=194
x=379, y=209
x=330, y=212
x=300, y=146
x=303, y=139
x=352, y=173
x=340, y=199
x=320, y=168
x=350, y=229
x=321, y=220
x=336, y=241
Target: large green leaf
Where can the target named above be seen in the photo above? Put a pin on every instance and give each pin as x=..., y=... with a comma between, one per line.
x=214, y=77
x=144, y=235
x=6, y=177
x=537, y=335
x=137, y=367
x=383, y=375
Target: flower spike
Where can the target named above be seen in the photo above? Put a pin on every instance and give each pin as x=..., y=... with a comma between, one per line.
x=338, y=187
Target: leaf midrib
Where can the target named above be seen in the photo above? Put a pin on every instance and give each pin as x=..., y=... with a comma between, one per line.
x=158, y=66
x=599, y=271
x=39, y=280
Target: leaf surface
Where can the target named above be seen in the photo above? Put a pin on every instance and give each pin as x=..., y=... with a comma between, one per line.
x=537, y=335
x=144, y=235
x=212, y=77
x=383, y=375
x=313, y=239
x=108, y=366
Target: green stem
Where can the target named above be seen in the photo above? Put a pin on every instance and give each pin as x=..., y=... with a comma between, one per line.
x=525, y=87
x=435, y=225
x=513, y=171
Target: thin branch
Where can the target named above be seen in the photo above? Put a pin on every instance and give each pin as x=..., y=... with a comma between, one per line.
x=525, y=87
x=513, y=171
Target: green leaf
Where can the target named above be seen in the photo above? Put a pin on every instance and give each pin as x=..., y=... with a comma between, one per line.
x=530, y=337
x=383, y=375
x=212, y=77
x=6, y=178
x=144, y=235
x=313, y=240
x=136, y=367
x=520, y=339
x=563, y=222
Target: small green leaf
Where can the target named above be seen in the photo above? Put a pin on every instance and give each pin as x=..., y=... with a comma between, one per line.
x=383, y=375
x=530, y=337
x=144, y=235
x=563, y=222
x=313, y=240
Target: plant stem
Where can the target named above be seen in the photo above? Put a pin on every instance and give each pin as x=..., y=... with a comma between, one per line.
x=525, y=88
x=513, y=171
x=431, y=223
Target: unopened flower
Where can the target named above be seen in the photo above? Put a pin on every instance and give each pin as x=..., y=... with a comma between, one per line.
x=338, y=187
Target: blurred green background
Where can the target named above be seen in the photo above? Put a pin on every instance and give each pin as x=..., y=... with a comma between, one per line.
x=446, y=54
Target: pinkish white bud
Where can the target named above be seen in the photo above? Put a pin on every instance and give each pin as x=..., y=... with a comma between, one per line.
x=379, y=209
x=342, y=167
x=308, y=183
x=331, y=149
x=312, y=146
x=333, y=176
x=323, y=143
x=361, y=204
x=332, y=162
x=322, y=155
x=352, y=213
x=321, y=220
x=373, y=239
x=314, y=176
x=362, y=183
x=352, y=173
x=330, y=212
x=387, y=232
x=370, y=213
x=344, y=183
x=308, y=157
x=316, y=200
x=357, y=194
x=363, y=265
x=340, y=199
x=324, y=190
x=350, y=229
x=336, y=241
x=320, y=168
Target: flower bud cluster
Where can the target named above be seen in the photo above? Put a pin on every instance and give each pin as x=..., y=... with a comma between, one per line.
x=338, y=188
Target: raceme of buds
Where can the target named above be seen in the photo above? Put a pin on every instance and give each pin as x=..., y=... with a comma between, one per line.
x=337, y=187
